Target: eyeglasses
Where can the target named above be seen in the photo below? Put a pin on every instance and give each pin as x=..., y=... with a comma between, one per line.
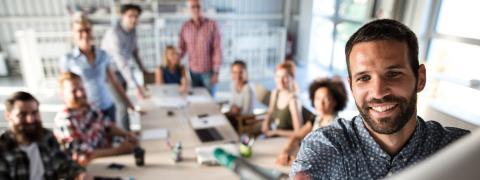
x=84, y=30
x=197, y=6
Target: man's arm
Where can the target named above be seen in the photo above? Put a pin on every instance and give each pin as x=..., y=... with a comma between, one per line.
x=182, y=44
x=217, y=54
x=62, y=164
x=119, y=58
x=4, y=170
x=119, y=89
x=138, y=60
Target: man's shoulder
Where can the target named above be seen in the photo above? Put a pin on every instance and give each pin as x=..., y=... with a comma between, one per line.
x=337, y=132
x=6, y=140
x=322, y=153
x=443, y=135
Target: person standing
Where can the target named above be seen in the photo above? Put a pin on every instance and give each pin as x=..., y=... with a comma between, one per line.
x=120, y=42
x=93, y=65
x=200, y=40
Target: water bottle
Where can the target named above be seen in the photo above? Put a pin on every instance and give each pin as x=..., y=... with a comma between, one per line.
x=245, y=169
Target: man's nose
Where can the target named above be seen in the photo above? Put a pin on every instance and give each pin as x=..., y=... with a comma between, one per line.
x=79, y=93
x=380, y=88
x=31, y=118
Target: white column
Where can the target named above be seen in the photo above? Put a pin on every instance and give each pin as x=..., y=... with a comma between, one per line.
x=30, y=61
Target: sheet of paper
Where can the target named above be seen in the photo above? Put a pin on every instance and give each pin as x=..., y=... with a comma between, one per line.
x=175, y=102
x=208, y=121
x=199, y=99
x=155, y=134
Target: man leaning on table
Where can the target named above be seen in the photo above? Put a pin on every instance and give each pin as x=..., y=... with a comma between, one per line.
x=387, y=136
x=29, y=151
x=82, y=130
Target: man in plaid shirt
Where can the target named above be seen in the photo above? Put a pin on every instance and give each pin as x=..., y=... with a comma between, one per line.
x=200, y=39
x=84, y=131
x=29, y=151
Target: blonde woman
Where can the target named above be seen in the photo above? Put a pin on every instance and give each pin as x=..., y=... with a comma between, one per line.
x=283, y=117
x=172, y=72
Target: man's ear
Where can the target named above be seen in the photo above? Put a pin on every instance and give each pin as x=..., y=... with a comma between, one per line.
x=422, y=78
x=350, y=83
x=6, y=115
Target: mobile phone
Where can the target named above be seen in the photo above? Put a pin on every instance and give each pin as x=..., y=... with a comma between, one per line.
x=202, y=115
x=116, y=166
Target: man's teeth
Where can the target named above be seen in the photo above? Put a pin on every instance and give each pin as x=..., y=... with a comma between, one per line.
x=383, y=108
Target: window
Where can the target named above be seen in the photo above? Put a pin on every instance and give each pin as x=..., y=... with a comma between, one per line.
x=453, y=57
x=333, y=22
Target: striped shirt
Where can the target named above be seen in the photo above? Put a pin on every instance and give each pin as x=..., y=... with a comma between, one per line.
x=202, y=44
x=120, y=45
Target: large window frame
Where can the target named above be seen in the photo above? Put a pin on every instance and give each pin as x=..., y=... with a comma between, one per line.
x=454, y=93
x=336, y=61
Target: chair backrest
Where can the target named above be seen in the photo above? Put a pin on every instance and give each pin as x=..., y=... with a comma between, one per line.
x=262, y=94
x=307, y=115
x=149, y=78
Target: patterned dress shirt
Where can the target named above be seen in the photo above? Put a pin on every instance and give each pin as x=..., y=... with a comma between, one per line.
x=346, y=150
x=14, y=163
x=202, y=44
x=81, y=131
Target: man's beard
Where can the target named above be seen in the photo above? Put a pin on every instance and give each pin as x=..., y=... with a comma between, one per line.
x=78, y=103
x=29, y=132
x=393, y=124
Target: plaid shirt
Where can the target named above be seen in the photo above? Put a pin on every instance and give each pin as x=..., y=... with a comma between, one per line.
x=202, y=44
x=14, y=163
x=81, y=131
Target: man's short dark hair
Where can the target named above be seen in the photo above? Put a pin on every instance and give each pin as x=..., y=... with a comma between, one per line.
x=240, y=63
x=18, y=96
x=385, y=29
x=127, y=7
x=336, y=89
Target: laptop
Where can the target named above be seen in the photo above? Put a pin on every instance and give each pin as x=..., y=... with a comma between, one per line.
x=208, y=134
x=205, y=127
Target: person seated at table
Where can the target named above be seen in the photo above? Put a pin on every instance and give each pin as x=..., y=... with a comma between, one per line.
x=328, y=97
x=29, y=151
x=283, y=116
x=83, y=130
x=172, y=72
x=242, y=95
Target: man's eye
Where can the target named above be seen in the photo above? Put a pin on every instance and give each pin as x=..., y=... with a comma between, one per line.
x=363, y=78
x=393, y=74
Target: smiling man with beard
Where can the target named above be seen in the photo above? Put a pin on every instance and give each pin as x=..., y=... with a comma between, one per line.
x=388, y=136
x=29, y=151
x=83, y=131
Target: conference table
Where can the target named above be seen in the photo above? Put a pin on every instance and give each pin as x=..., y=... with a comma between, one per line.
x=166, y=109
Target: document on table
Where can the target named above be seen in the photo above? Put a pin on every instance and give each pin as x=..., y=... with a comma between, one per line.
x=207, y=121
x=155, y=134
x=198, y=99
x=175, y=102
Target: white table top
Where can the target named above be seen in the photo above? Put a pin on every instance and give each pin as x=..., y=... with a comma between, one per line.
x=158, y=163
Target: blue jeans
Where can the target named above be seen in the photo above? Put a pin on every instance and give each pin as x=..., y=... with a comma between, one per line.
x=110, y=113
x=121, y=105
x=203, y=80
